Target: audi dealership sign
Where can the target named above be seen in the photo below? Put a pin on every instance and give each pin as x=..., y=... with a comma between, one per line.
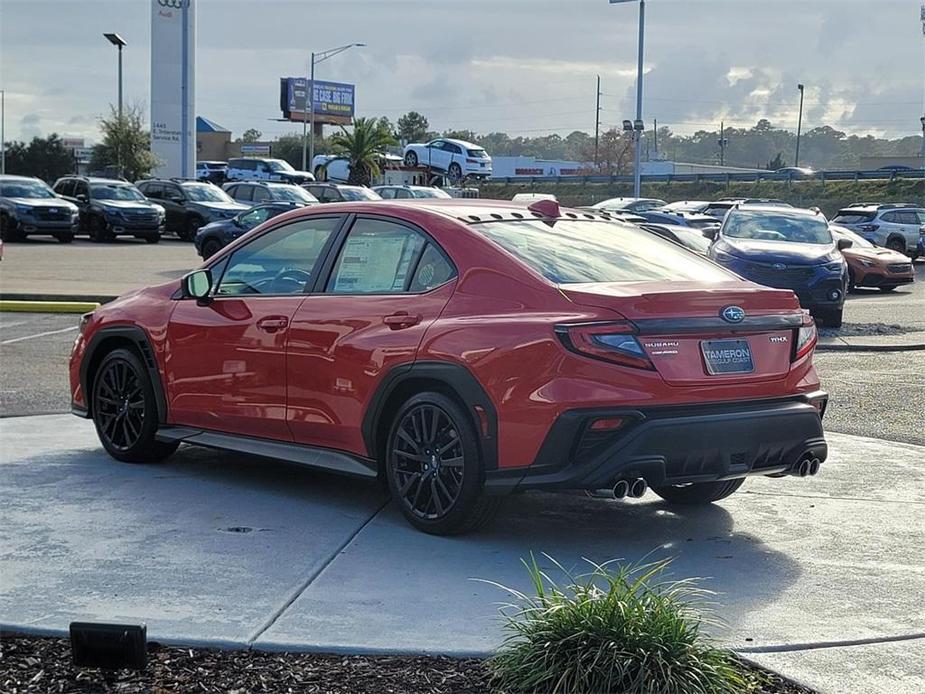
x=173, y=68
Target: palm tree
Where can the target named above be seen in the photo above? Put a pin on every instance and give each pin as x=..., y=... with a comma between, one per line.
x=364, y=147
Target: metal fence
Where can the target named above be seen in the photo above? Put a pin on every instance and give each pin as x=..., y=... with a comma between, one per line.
x=789, y=177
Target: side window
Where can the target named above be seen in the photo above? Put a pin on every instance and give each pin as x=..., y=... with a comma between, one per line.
x=921, y=216
x=172, y=192
x=314, y=190
x=436, y=144
x=376, y=258
x=455, y=149
x=151, y=190
x=65, y=187
x=432, y=271
x=254, y=217
x=279, y=262
x=259, y=194
x=891, y=217
x=331, y=195
x=387, y=193
x=81, y=188
x=403, y=194
x=908, y=217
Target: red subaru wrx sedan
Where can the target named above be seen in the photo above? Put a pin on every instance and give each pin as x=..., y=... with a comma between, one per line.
x=462, y=350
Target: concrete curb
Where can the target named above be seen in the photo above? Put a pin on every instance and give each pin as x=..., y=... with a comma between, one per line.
x=48, y=306
x=81, y=298
x=850, y=347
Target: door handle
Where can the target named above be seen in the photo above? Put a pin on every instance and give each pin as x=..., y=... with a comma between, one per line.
x=271, y=324
x=401, y=319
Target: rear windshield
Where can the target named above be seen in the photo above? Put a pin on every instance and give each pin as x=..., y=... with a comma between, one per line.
x=478, y=153
x=761, y=225
x=572, y=252
x=852, y=217
x=293, y=194
x=359, y=193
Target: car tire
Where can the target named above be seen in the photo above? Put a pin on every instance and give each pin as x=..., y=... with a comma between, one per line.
x=411, y=159
x=67, y=237
x=8, y=231
x=210, y=248
x=700, y=493
x=430, y=431
x=454, y=172
x=152, y=238
x=896, y=244
x=98, y=231
x=125, y=409
x=830, y=317
x=851, y=282
x=190, y=227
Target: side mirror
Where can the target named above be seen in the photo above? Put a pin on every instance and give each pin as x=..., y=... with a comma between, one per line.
x=81, y=197
x=710, y=233
x=197, y=285
x=844, y=243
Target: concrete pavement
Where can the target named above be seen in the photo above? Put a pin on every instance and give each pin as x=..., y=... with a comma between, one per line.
x=228, y=550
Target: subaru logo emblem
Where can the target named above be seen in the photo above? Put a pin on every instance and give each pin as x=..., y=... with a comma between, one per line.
x=733, y=314
x=779, y=266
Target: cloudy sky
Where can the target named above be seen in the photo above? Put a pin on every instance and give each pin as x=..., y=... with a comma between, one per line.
x=519, y=66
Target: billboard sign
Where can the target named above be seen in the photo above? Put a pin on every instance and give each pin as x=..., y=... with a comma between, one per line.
x=173, y=67
x=330, y=98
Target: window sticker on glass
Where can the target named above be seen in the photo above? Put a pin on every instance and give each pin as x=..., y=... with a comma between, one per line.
x=375, y=259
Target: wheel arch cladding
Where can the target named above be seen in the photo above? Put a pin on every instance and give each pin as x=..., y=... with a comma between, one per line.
x=454, y=381
x=105, y=341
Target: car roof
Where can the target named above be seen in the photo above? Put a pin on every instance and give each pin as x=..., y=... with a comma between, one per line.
x=14, y=177
x=778, y=209
x=108, y=181
x=457, y=142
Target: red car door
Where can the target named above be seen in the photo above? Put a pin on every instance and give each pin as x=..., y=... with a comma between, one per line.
x=226, y=359
x=388, y=283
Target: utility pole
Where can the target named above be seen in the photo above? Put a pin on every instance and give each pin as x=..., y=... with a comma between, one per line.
x=799, y=126
x=3, y=138
x=597, y=120
x=722, y=144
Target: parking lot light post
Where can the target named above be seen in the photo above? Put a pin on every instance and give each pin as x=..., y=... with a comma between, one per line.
x=3, y=140
x=796, y=161
x=922, y=121
x=119, y=43
x=637, y=158
x=309, y=112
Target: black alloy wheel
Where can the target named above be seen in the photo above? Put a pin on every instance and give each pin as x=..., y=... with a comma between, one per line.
x=434, y=467
x=210, y=247
x=125, y=410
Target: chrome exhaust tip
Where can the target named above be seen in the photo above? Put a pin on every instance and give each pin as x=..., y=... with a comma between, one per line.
x=638, y=488
x=620, y=489
x=803, y=469
x=814, y=466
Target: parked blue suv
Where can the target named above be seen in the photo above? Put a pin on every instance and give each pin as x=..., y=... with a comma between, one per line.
x=787, y=248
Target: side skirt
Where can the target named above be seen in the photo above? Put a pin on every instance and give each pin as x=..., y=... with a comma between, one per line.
x=322, y=458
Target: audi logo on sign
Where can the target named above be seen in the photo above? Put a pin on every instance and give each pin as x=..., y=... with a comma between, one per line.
x=175, y=4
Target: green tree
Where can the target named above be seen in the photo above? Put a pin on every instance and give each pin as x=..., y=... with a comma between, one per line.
x=126, y=144
x=777, y=162
x=251, y=135
x=412, y=127
x=363, y=147
x=43, y=157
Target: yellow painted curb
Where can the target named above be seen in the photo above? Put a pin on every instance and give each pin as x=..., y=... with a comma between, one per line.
x=48, y=306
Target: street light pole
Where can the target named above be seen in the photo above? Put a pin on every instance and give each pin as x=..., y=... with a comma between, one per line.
x=3, y=137
x=722, y=144
x=922, y=121
x=118, y=42
x=308, y=144
x=799, y=126
x=637, y=182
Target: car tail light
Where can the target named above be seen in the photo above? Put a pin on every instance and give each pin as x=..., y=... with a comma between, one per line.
x=806, y=338
x=613, y=341
x=870, y=227
x=472, y=161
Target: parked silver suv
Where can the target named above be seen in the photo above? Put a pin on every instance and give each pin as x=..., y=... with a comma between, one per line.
x=896, y=226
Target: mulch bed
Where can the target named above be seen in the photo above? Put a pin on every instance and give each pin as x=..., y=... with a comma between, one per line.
x=32, y=665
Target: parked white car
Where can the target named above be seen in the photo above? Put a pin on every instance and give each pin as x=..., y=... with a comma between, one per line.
x=457, y=158
x=254, y=169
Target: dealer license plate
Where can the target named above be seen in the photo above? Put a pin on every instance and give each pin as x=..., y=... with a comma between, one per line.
x=727, y=356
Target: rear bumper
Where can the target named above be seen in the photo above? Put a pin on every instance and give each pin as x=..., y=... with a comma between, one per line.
x=673, y=445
